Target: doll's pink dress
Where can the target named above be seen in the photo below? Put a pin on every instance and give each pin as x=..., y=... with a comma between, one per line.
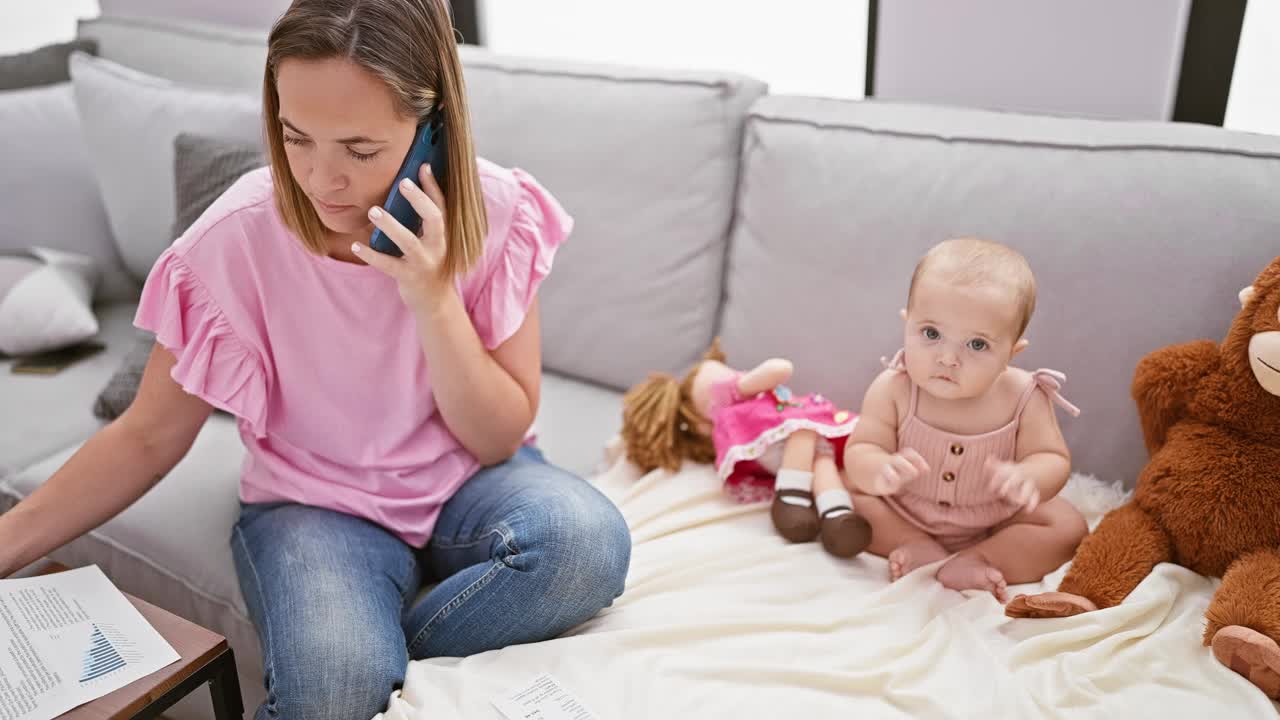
x=748, y=434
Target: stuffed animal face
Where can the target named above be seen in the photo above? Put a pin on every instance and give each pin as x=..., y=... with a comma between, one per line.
x=1264, y=345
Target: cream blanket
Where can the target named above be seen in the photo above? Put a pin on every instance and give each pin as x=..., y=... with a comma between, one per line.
x=723, y=619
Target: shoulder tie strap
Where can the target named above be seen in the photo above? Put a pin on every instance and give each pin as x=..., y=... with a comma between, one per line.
x=897, y=363
x=1049, y=381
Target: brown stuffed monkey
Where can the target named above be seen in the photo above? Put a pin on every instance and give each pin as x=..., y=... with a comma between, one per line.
x=1209, y=498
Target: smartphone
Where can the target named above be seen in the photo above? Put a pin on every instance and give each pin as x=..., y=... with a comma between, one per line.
x=54, y=361
x=428, y=147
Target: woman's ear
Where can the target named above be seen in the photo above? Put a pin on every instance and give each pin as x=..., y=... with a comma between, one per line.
x=902, y=313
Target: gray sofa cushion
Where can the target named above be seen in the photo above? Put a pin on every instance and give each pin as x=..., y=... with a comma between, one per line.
x=1140, y=235
x=41, y=414
x=184, y=51
x=50, y=197
x=646, y=162
x=576, y=420
x=130, y=120
x=43, y=66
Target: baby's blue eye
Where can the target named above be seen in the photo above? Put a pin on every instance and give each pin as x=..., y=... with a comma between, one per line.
x=931, y=333
x=977, y=345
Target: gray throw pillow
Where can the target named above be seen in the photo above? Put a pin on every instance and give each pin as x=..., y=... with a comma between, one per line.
x=42, y=66
x=118, y=395
x=203, y=168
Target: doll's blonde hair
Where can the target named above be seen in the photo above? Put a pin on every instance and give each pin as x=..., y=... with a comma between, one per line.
x=661, y=425
x=973, y=261
x=410, y=46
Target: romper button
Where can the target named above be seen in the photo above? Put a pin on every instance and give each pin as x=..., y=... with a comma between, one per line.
x=948, y=476
x=957, y=449
x=944, y=503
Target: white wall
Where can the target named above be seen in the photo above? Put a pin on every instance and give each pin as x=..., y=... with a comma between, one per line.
x=1095, y=58
x=798, y=46
x=1254, y=103
x=26, y=24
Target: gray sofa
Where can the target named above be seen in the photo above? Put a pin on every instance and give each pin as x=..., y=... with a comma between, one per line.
x=705, y=206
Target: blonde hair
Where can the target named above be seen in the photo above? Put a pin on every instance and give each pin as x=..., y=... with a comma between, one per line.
x=974, y=261
x=662, y=426
x=410, y=45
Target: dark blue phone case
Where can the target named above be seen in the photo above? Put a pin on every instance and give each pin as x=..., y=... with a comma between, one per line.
x=428, y=147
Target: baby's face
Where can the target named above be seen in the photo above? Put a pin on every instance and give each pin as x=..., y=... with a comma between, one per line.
x=959, y=340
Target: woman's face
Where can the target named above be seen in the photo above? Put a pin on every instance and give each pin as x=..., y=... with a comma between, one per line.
x=344, y=138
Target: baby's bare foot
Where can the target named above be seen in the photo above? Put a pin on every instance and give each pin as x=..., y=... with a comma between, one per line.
x=971, y=572
x=909, y=556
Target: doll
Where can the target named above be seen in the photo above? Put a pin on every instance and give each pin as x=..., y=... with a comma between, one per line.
x=766, y=443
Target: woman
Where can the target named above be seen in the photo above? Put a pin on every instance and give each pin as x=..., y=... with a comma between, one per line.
x=385, y=401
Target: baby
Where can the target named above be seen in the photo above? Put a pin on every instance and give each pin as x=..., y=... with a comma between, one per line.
x=956, y=451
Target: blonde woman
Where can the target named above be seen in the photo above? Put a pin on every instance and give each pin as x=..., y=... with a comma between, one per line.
x=385, y=401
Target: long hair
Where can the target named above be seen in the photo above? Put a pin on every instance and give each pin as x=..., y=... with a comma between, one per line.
x=410, y=45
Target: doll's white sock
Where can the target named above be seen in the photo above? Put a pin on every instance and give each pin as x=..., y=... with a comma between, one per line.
x=788, y=479
x=838, y=499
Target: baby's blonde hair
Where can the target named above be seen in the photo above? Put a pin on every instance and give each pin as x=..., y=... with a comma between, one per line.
x=974, y=261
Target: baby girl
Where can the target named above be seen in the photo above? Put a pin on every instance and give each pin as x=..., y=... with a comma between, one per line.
x=956, y=452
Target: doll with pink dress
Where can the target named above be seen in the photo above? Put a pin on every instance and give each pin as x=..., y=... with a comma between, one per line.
x=767, y=444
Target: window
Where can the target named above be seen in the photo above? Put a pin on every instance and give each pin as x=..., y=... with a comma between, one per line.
x=811, y=47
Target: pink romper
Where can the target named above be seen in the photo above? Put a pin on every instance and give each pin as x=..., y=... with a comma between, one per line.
x=953, y=503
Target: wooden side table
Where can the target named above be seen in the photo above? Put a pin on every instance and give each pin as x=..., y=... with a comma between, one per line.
x=204, y=657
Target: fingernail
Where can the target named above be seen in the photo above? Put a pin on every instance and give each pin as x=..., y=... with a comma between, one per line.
x=355, y=247
x=375, y=213
x=406, y=183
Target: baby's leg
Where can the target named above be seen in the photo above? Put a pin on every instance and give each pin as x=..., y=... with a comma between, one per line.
x=1022, y=549
x=906, y=546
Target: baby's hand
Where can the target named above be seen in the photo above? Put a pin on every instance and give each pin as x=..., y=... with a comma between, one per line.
x=1012, y=483
x=901, y=468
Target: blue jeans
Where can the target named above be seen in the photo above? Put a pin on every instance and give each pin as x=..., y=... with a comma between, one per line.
x=523, y=552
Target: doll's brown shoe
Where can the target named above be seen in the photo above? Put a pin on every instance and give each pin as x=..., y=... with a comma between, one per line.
x=846, y=534
x=794, y=515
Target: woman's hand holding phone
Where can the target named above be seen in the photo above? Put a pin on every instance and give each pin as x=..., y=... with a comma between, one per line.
x=417, y=270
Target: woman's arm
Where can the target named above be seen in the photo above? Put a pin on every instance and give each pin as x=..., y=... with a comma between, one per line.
x=488, y=400
x=114, y=468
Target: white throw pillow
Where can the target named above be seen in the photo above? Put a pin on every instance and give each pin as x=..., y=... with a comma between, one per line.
x=130, y=120
x=46, y=300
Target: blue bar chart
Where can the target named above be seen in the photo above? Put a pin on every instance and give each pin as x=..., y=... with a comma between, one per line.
x=100, y=658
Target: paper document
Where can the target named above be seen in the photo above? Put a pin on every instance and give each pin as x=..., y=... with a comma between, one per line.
x=543, y=698
x=69, y=638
